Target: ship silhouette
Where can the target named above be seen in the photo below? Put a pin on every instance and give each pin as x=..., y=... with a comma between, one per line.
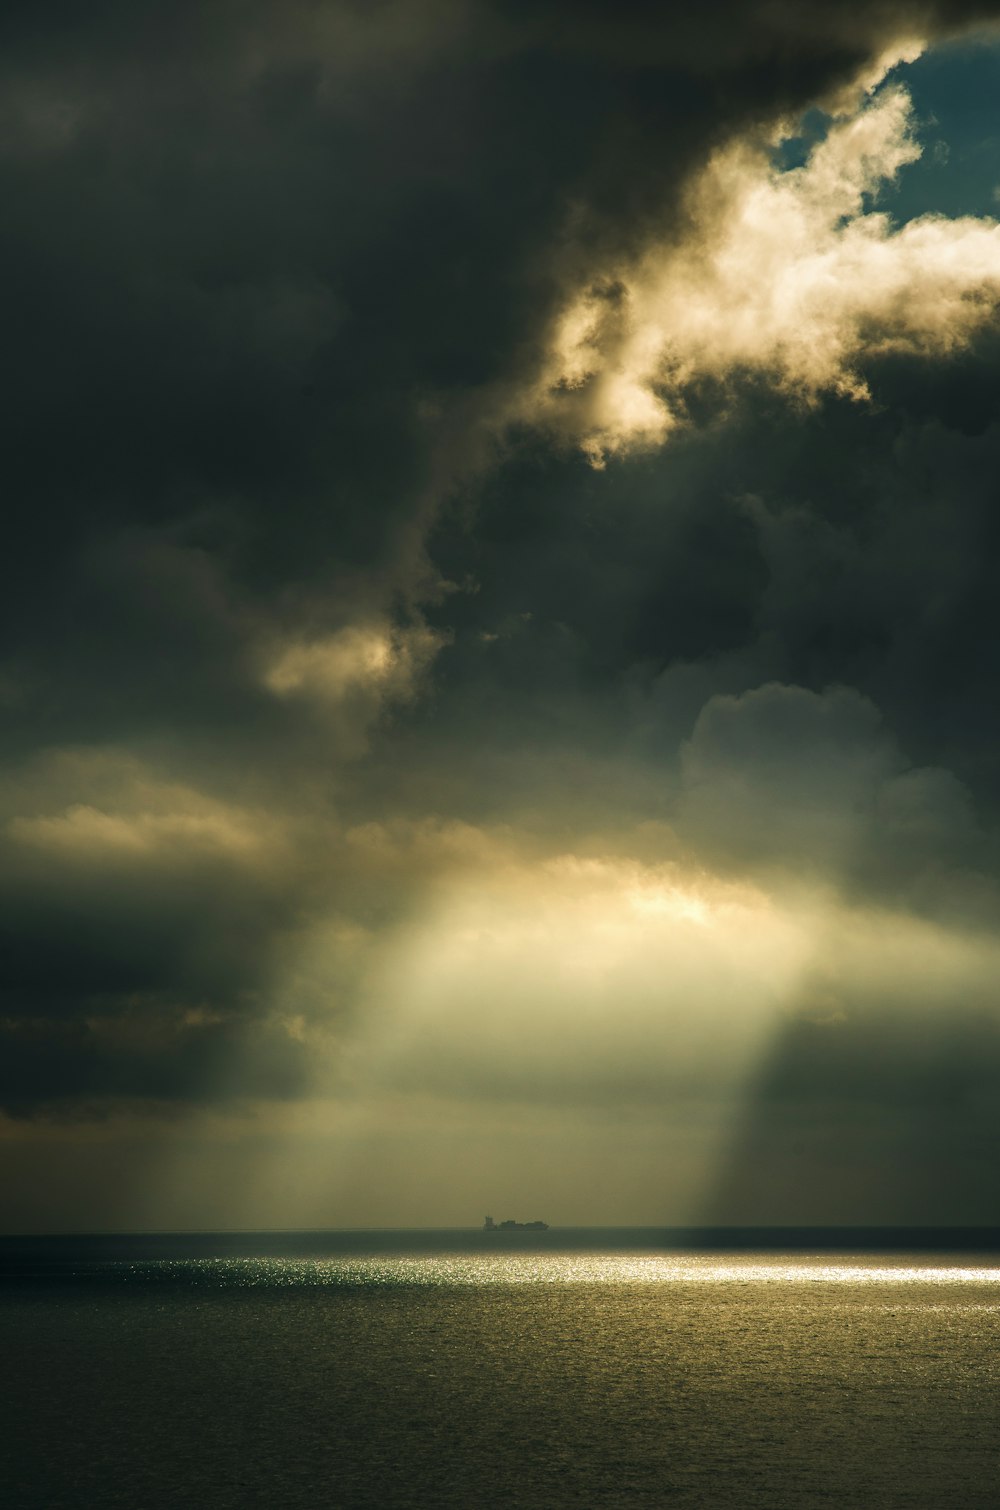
x=491, y=1226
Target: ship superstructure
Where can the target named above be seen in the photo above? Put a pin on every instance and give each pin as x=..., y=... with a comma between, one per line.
x=491, y=1226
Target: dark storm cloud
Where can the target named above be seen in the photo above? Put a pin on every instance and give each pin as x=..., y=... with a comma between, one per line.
x=266, y=273
x=853, y=547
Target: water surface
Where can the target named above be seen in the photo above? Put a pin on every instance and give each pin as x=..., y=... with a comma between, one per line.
x=377, y=1373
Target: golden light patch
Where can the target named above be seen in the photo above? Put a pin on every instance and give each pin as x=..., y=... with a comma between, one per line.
x=789, y=275
x=374, y=662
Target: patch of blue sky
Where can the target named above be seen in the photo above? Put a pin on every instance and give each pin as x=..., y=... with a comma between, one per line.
x=955, y=90
x=956, y=96
x=793, y=151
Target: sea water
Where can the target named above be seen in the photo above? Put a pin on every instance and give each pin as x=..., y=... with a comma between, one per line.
x=405, y=1370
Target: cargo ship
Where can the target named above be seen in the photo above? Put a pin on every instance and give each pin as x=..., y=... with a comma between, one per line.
x=491, y=1226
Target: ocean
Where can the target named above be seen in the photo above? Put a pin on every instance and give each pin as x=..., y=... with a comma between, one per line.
x=568, y=1368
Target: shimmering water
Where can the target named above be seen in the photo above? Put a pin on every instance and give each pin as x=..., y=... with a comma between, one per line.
x=538, y=1378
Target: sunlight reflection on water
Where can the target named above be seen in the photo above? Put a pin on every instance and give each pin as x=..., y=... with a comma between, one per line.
x=561, y=1269
x=386, y=1381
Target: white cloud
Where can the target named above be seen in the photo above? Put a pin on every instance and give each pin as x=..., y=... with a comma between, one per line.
x=377, y=659
x=103, y=809
x=90, y=832
x=789, y=275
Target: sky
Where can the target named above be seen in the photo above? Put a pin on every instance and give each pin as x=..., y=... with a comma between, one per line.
x=500, y=651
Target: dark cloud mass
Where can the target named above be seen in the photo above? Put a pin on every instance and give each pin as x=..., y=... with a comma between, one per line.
x=357, y=604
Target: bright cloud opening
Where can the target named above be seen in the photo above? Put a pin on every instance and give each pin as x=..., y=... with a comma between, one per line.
x=577, y=976
x=788, y=275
